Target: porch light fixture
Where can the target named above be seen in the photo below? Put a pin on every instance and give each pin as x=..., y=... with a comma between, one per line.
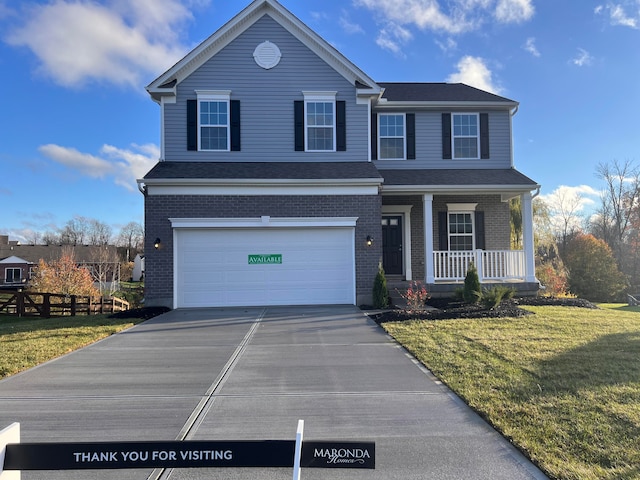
x=156, y=244
x=369, y=240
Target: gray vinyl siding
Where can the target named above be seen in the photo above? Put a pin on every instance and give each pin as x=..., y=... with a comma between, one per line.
x=429, y=144
x=266, y=100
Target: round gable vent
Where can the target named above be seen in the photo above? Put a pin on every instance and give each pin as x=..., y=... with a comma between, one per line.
x=267, y=55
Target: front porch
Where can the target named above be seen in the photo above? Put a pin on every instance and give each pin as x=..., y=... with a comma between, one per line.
x=435, y=238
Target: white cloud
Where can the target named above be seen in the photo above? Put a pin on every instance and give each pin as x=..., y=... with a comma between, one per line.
x=569, y=206
x=530, y=46
x=453, y=16
x=618, y=15
x=132, y=165
x=85, y=163
x=449, y=45
x=474, y=72
x=347, y=25
x=124, y=165
x=583, y=59
x=514, y=11
x=393, y=37
x=121, y=42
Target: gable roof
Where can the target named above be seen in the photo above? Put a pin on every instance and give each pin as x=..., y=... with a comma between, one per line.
x=13, y=259
x=440, y=93
x=165, y=84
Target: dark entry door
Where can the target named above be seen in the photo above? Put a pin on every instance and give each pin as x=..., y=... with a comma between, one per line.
x=392, y=244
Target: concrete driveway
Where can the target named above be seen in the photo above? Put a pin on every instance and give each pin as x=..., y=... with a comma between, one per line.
x=251, y=374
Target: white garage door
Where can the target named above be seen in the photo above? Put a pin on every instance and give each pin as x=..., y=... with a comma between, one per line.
x=264, y=266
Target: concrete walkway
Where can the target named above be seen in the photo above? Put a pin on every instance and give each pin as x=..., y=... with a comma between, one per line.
x=247, y=374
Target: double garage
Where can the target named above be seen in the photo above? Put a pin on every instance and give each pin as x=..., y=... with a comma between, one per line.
x=266, y=261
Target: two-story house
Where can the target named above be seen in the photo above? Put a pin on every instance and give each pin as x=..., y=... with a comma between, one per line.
x=287, y=175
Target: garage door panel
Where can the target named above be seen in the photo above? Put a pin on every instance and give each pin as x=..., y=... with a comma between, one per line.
x=212, y=266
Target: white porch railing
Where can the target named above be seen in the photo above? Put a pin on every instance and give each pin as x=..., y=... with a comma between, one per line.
x=491, y=264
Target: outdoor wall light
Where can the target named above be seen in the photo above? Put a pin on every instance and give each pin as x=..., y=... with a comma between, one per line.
x=156, y=244
x=369, y=240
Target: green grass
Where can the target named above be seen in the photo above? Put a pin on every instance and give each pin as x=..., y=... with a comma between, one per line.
x=563, y=385
x=27, y=342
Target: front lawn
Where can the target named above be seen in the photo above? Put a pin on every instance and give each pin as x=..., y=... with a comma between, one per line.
x=563, y=384
x=27, y=342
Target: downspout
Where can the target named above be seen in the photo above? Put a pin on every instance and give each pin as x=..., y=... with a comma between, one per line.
x=536, y=194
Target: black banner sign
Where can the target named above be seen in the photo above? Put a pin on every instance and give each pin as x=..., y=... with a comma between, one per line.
x=186, y=454
x=74, y=456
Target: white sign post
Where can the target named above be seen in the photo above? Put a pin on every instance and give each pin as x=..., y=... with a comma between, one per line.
x=11, y=434
x=298, y=451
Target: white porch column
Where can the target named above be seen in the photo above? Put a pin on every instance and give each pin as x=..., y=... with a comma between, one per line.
x=427, y=200
x=527, y=237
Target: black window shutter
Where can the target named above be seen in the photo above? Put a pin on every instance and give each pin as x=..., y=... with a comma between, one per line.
x=411, y=136
x=341, y=126
x=484, y=135
x=479, y=224
x=446, y=135
x=374, y=136
x=235, y=125
x=192, y=125
x=298, y=120
x=443, y=234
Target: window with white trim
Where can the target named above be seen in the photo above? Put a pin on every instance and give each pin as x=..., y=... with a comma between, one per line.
x=12, y=275
x=391, y=131
x=320, y=121
x=460, y=231
x=465, y=131
x=213, y=120
x=461, y=228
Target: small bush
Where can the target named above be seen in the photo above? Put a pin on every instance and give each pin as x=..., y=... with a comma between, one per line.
x=492, y=297
x=415, y=296
x=472, y=291
x=380, y=291
x=553, y=276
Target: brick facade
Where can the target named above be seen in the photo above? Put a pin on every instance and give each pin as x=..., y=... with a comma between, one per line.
x=160, y=208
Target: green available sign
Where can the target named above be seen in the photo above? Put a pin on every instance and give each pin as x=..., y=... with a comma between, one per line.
x=265, y=259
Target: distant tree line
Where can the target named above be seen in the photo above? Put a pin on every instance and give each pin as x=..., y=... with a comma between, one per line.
x=89, y=231
x=595, y=257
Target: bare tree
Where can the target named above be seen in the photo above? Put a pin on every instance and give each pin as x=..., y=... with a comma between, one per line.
x=620, y=200
x=104, y=266
x=565, y=206
x=50, y=238
x=131, y=237
x=75, y=232
x=99, y=233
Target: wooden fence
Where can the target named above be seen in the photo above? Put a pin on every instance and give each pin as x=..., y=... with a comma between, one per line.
x=47, y=305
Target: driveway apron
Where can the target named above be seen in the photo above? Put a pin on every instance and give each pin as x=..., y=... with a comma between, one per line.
x=251, y=374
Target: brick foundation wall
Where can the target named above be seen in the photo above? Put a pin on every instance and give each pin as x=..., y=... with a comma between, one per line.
x=159, y=208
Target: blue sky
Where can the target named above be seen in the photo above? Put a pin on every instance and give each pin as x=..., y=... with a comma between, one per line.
x=78, y=128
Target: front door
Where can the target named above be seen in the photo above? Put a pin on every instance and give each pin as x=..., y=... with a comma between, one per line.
x=392, y=244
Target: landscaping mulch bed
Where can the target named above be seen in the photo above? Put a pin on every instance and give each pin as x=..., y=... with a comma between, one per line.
x=448, y=309
x=145, y=313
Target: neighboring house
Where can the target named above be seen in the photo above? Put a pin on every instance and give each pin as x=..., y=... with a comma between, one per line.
x=287, y=175
x=101, y=261
x=137, y=275
x=15, y=272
